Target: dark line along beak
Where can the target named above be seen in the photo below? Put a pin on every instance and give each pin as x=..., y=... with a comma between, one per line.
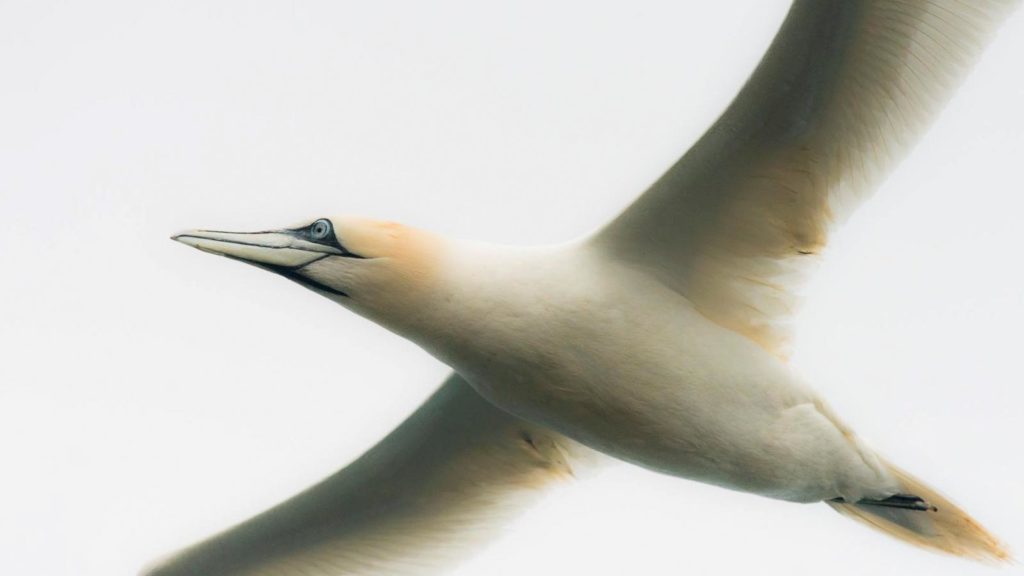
x=274, y=249
x=283, y=251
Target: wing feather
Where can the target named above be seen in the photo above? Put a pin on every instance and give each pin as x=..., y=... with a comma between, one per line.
x=434, y=489
x=842, y=94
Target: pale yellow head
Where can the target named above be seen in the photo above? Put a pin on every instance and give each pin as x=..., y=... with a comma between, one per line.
x=380, y=269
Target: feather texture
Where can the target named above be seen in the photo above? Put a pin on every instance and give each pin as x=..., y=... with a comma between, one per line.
x=845, y=90
x=437, y=487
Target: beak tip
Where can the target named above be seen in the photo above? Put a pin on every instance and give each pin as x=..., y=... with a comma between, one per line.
x=185, y=238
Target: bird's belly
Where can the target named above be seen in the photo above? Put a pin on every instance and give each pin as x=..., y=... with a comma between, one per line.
x=689, y=400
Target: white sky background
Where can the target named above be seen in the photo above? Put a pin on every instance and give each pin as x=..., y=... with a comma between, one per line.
x=151, y=395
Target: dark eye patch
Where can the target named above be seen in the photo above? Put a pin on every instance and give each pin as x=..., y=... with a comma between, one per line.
x=322, y=232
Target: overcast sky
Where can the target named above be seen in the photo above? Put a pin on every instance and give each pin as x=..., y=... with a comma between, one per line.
x=151, y=395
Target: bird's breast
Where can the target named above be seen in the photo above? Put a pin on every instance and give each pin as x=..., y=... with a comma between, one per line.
x=622, y=371
x=630, y=368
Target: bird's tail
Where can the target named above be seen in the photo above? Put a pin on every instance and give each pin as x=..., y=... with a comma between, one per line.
x=923, y=517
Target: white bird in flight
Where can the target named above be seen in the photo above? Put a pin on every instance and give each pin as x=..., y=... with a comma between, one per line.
x=660, y=340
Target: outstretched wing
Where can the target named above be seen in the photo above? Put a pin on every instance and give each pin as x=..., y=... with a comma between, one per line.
x=845, y=90
x=436, y=487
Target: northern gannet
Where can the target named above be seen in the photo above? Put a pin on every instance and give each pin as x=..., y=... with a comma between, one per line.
x=661, y=339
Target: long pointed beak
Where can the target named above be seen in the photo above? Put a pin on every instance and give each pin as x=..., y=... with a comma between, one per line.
x=275, y=249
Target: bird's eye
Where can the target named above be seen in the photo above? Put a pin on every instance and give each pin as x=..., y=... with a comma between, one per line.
x=320, y=229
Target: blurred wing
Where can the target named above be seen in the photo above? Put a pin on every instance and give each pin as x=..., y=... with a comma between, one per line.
x=435, y=488
x=845, y=90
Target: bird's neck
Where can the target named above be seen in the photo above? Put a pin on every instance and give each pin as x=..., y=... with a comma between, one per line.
x=484, y=302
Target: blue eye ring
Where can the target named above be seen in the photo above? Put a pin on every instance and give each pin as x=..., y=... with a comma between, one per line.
x=320, y=229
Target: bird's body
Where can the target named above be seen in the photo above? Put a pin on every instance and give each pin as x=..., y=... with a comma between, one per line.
x=569, y=338
x=661, y=339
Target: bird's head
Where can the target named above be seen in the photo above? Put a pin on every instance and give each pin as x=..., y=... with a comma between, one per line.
x=382, y=270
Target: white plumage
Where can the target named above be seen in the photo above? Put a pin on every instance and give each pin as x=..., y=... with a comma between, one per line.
x=660, y=340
